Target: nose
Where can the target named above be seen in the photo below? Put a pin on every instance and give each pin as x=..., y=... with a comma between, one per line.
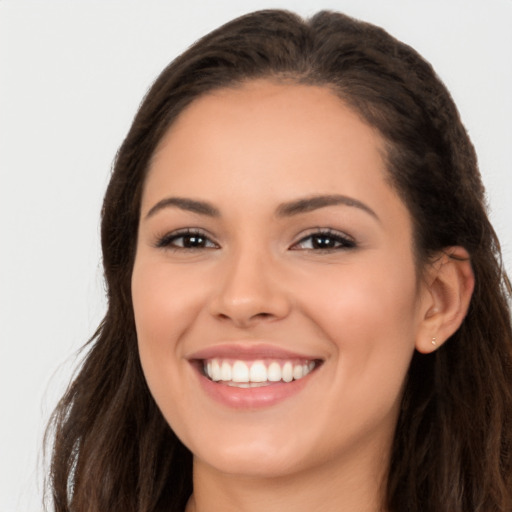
x=250, y=291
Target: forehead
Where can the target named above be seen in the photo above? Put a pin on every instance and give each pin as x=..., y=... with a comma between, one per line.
x=264, y=106
x=271, y=129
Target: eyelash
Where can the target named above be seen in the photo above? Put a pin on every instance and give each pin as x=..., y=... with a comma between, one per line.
x=335, y=241
x=169, y=241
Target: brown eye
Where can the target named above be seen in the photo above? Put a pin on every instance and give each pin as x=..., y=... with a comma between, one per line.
x=326, y=241
x=186, y=240
x=191, y=241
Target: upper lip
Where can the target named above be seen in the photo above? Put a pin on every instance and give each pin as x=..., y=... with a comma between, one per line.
x=245, y=351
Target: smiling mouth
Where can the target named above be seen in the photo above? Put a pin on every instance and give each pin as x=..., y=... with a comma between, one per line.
x=258, y=373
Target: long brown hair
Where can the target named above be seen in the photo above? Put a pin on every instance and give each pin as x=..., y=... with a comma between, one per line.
x=112, y=449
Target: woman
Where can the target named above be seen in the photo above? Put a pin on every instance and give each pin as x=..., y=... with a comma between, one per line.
x=306, y=301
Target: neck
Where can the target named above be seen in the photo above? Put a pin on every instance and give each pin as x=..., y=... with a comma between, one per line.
x=354, y=487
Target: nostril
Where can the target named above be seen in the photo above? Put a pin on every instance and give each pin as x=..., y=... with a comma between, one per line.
x=246, y=321
x=262, y=315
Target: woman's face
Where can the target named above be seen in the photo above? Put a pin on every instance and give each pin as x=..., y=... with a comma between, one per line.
x=276, y=298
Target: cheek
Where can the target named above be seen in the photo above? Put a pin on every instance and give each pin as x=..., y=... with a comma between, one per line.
x=375, y=308
x=370, y=318
x=164, y=305
x=369, y=321
x=164, y=302
x=374, y=296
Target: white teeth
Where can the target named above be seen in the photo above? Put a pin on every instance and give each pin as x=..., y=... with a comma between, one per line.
x=287, y=372
x=225, y=371
x=215, y=370
x=240, y=372
x=247, y=384
x=245, y=374
x=258, y=372
x=274, y=372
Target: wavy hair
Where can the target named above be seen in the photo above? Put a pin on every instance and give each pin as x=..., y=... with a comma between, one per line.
x=112, y=449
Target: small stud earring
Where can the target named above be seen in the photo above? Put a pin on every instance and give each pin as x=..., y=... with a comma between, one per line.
x=434, y=341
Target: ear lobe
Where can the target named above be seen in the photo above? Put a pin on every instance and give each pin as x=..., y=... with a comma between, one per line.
x=450, y=282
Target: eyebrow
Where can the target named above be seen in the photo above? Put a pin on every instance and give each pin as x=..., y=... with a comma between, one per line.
x=190, y=205
x=309, y=204
x=287, y=209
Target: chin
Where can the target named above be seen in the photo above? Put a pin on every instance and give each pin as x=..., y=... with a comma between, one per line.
x=257, y=454
x=252, y=464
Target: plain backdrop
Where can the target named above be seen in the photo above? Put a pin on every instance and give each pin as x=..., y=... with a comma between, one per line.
x=72, y=74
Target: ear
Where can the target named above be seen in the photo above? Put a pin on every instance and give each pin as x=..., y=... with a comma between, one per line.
x=449, y=284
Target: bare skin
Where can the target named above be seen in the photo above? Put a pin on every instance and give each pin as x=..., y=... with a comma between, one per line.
x=237, y=252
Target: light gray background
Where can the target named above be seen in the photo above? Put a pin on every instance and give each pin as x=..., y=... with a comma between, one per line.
x=72, y=76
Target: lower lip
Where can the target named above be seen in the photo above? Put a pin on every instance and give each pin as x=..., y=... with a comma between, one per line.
x=252, y=398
